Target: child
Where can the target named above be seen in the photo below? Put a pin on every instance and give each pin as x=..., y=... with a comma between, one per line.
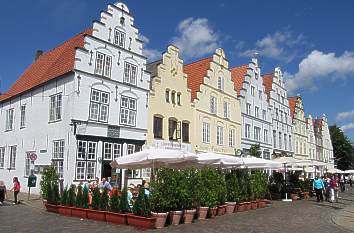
x=16, y=189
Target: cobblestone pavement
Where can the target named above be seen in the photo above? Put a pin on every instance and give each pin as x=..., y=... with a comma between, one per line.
x=297, y=217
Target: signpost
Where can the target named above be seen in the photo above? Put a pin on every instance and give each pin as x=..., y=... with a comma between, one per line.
x=32, y=179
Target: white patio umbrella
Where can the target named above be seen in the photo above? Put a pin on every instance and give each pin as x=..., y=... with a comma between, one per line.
x=152, y=158
x=334, y=170
x=349, y=171
x=259, y=163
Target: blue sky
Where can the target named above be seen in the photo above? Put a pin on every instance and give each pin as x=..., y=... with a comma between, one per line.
x=313, y=41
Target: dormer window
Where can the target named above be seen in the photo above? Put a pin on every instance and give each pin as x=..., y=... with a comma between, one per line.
x=119, y=38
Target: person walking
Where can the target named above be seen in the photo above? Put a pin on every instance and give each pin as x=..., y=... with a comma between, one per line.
x=318, y=187
x=351, y=180
x=2, y=191
x=342, y=183
x=16, y=188
x=334, y=189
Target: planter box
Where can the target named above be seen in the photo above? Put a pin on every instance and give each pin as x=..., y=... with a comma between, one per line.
x=241, y=207
x=52, y=208
x=160, y=219
x=141, y=222
x=79, y=212
x=230, y=207
x=254, y=205
x=248, y=206
x=202, y=213
x=97, y=215
x=175, y=217
x=189, y=216
x=212, y=212
x=262, y=204
x=64, y=210
x=116, y=218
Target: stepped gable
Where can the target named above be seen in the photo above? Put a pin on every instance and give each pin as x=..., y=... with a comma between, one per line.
x=238, y=76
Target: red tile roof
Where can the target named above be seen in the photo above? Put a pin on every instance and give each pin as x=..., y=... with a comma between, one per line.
x=238, y=76
x=196, y=72
x=48, y=66
x=267, y=83
x=292, y=104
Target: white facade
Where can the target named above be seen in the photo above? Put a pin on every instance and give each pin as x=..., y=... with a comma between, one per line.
x=103, y=107
x=282, y=133
x=327, y=143
x=311, y=141
x=255, y=112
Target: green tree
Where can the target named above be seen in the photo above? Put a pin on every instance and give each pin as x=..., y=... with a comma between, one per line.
x=104, y=200
x=114, y=202
x=123, y=202
x=79, y=197
x=49, y=177
x=343, y=151
x=142, y=205
x=256, y=151
x=96, y=198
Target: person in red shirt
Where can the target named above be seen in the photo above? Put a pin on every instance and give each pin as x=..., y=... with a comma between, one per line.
x=334, y=189
x=16, y=188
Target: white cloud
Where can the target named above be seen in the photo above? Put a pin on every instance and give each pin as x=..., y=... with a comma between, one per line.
x=344, y=115
x=195, y=38
x=318, y=65
x=151, y=54
x=347, y=127
x=279, y=46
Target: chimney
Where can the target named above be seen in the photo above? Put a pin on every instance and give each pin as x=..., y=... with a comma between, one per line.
x=38, y=54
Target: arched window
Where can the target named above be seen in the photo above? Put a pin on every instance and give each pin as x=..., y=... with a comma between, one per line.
x=167, y=95
x=173, y=97
x=179, y=98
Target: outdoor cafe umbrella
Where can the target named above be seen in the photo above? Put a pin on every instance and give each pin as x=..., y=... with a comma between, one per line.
x=334, y=170
x=152, y=158
x=349, y=171
x=252, y=162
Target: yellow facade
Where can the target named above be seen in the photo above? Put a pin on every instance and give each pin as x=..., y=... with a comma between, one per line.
x=210, y=88
x=170, y=101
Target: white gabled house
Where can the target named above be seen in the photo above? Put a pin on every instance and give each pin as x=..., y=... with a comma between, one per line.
x=79, y=105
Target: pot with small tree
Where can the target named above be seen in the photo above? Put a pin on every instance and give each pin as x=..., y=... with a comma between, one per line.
x=188, y=180
x=67, y=201
x=99, y=205
x=50, y=189
x=141, y=217
x=159, y=201
x=221, y=193
x=114, y=215
x=232, y=194
x=78, y=210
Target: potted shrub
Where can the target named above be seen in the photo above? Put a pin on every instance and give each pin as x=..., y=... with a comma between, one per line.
x=78, y=210
x=141, y=217
x=242, y=205
x=232, y=194
x=188, y=180
x=159, y=202
x=221, y=189
x=50, y=189
x=64, y=208
x=113, y=215
x=95, y=213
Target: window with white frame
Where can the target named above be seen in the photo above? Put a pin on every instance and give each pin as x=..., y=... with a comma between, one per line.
x=206, y=132
x=86, y=160
x=128, y=111
x=285, y=142
x=264, y=114
x=179, y=98
x=130, y=149
x=55, y=107
x=27, y=164
x=232, y=136
x=248, y=109
x=2, y=157
x=119, y=38
x=103, y=64
x=265, y=136
x=252, y=90
x=220, y=135
x=112, y=151
x=23, y=116
x=213, y=104
x=130, y=73
x=12, y=159
x=167, y=95
x=226, y=110
x=99, y=105
x=280, y=140
x=275, y=138
x=260, y=94
x=256, y=112
x=220, y=83
x=58, y=157
x=257, y=133
x=247, y=131
x=9, y=119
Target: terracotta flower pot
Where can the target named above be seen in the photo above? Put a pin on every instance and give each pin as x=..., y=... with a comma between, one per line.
x=141, y=222
x=230, y=207
x=248, y=206
x=241, y=207
x=175, y=217
x=51, y=208
x=160, y=219
x=116, y=218
x=224, y=210
x=64, y=210
x=262, y=204
x=79, y=212
x=97, y=215
x=213, y=212
x=202, y=213
x=189, y=216
x=254, y=205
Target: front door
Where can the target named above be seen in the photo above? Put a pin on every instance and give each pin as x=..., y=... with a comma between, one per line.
x=106, y=169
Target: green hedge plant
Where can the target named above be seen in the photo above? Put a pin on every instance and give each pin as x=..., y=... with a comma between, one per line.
x=95, y=198
x=123, y=202
x=142, y=205
x=114, y=202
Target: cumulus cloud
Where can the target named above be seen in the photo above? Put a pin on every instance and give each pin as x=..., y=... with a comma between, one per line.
x=319, y=65
x=195, y=38
x=151, y=54
x=344, y=115
x=278, y=46
x=347, y=127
